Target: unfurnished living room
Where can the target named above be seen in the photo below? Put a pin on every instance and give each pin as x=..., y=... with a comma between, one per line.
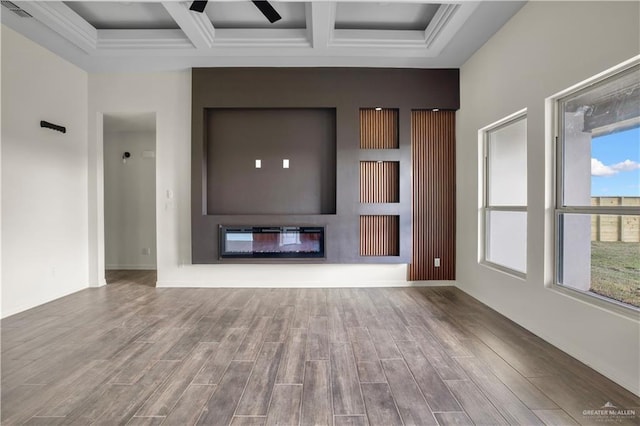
x=320, y=213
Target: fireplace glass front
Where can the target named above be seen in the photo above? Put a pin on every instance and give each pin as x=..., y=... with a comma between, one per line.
x=272, y=242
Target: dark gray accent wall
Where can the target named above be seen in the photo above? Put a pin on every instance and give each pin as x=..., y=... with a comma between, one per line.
x=237, y=137
x=345, y=90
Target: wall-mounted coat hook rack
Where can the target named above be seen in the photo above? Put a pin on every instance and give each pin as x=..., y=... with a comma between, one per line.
x=52, y=126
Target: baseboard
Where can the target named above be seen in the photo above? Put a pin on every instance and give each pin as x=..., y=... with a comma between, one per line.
x=307, y=284
x=434, y=283
x=43, y=301
x=131, y=267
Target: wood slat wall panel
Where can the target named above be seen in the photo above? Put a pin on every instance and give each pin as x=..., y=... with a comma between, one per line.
x=378, y=129
x=433, y=191
x=379, y=182
x=379, y=235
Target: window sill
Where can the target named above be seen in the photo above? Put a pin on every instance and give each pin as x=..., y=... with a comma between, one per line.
x=522, y=276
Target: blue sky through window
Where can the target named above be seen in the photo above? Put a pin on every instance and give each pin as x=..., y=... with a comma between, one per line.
x=615, y=164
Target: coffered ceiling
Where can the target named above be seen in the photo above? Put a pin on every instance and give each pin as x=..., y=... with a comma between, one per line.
x=150, y=35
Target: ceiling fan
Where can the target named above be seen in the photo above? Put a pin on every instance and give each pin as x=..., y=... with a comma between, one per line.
x=264, y=6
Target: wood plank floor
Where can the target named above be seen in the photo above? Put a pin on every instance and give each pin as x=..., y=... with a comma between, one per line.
x=137, y=355
x=131, y=276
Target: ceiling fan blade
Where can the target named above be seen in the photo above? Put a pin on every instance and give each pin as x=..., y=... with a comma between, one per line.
x=267, y=10
x=198, y=6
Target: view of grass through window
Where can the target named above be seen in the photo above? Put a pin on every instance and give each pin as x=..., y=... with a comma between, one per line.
x=615, y=240
x=615, y=271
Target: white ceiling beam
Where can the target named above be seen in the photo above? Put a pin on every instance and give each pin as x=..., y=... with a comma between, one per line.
x=321, y=19
x=447, y=21
x=197, y=26
x=121, y=41
x=411, y=39
x=63, y=20
x=233, y=37
x=227, y=39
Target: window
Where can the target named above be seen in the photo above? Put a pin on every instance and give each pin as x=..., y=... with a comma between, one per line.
x=505, y=195
x=598, y=188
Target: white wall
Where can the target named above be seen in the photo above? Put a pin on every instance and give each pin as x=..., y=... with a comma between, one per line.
x=44, y=176
x=129, y=200
x=545, y=48
x=169, y=96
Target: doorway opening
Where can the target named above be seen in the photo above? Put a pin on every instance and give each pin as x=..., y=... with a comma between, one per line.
x=130, y=198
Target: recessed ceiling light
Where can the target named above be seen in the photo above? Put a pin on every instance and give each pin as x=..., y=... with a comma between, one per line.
x=435, y=109
x=378, y=109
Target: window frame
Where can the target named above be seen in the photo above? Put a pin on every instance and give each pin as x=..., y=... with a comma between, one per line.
x=486, y=208
x=559, y=206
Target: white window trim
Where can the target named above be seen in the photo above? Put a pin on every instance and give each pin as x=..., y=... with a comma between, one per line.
x=483, y=139
x=552, y=258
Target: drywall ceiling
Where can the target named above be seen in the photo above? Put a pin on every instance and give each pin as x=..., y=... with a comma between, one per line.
x=119, y=36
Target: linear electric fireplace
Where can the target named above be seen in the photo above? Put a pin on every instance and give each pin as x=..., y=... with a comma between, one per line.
x=271, y=242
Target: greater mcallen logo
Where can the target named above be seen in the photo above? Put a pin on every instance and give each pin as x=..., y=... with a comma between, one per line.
x=609, y=412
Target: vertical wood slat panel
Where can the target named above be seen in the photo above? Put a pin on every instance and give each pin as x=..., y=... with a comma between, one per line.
x=379, y=235
x=433, y=192
x=378, y=129
x=379, y=182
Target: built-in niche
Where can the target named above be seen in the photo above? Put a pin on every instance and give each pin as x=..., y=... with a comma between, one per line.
x=262, y=161
x=379, y=181
x=379, y=235
x=379, y=128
